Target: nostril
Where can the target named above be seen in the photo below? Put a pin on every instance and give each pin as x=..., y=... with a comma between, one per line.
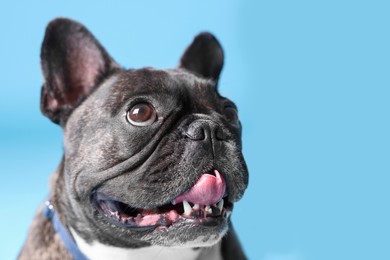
x=220, y=134
x=195, y=133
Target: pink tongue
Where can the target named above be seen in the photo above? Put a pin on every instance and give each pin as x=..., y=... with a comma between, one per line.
x=208, y=190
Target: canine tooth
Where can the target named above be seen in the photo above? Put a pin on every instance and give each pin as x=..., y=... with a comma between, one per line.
x=196, y=206
x=208, y=209
x=220, y=205
x=187, y=208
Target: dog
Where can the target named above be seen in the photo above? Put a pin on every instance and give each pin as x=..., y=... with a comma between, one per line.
x=152, y=162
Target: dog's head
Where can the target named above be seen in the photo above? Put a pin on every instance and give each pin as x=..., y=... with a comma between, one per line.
x=151, y=157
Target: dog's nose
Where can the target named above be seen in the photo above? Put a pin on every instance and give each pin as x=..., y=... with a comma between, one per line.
x=202, y=129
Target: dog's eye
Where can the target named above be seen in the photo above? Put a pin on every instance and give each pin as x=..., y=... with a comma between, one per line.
x=141, y=114
x=231, y=115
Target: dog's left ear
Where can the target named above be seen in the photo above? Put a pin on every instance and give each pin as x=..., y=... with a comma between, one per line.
x=204, y=57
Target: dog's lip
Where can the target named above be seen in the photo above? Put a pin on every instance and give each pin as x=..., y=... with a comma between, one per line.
x=163, y=217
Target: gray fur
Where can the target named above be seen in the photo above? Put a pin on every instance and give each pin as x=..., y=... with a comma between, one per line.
x=144, y=166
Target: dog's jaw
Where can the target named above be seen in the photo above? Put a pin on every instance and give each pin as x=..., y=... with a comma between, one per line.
x=205, y=203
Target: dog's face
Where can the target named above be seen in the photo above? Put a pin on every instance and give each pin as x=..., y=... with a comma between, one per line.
x=152, y=157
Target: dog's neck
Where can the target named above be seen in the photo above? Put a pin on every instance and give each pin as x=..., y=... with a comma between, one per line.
x=97, y=251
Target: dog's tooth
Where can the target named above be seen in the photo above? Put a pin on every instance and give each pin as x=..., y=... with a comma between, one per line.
x=220, y=205
x=187, y=208
x=228, y=214
x=196, y=206
x=208, y=209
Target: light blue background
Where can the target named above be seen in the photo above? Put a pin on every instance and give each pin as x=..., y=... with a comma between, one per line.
x=310, y=78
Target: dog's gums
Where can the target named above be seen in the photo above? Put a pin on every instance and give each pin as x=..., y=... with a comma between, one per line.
x=205, y=203
x=162, y=217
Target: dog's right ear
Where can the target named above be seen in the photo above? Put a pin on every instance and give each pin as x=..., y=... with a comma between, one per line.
x=73, y=64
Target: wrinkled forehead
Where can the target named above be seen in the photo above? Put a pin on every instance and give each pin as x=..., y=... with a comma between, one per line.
x=149, y=80
x=170, y=84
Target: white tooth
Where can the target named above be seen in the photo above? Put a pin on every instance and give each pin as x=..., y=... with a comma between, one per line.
x=208, y=209
x=187, y=208
x=220, y=205
x=196, y=207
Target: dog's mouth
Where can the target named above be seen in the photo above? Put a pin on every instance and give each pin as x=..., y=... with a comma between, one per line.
x=205, y=203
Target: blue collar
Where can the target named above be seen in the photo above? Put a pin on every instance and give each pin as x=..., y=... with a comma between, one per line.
x=63, y=232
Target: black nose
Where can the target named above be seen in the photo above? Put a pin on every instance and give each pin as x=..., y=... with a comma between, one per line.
x=204, y=130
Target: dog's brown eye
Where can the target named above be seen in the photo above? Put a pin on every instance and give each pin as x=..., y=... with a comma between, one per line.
x=231, y=115
x=141, y=114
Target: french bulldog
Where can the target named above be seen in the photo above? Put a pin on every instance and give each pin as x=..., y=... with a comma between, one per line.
x=152, y=162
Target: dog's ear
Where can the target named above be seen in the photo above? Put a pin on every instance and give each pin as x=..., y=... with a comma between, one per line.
x=203, y=57
x=73, y=64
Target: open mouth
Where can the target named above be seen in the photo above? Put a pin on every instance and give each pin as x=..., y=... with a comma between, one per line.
x=205, y=204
